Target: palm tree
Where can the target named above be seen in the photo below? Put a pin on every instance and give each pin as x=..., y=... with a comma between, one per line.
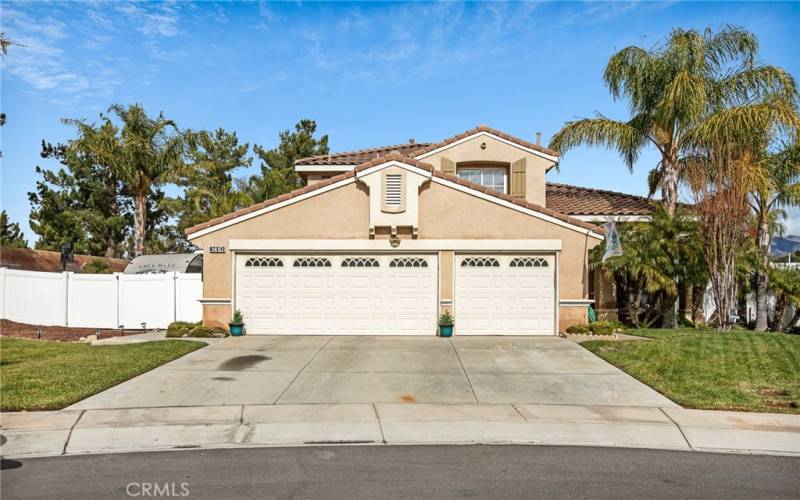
x=221, y=200
x=670, y=89
x=779, y=187
x=657, y=257
x=146, y=154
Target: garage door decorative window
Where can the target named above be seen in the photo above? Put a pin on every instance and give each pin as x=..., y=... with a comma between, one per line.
x=360, y=262
x=263, y=262
x=480, y=262
x=529, y=262
x=408, y=262
x=312, y=262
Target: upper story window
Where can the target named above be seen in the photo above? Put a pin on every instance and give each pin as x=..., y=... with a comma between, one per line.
x=495, y=178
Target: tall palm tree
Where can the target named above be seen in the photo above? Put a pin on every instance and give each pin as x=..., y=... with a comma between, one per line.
x=149, y=154
x=670, y=89
x=146, y=153
x=779, y=188
x=725, y=165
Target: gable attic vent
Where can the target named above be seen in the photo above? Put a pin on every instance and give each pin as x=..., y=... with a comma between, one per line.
x=393, y=192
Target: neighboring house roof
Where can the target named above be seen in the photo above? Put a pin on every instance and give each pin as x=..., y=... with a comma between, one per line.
x=407, y=160
x=575, y=200
x=26, y=259
x=413, y=149
x=166, y=262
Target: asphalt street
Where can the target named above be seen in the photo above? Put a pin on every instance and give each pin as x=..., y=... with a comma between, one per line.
x=374, y=472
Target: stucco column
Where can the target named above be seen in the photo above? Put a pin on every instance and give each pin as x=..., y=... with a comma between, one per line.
x=446, y=282
x=605, y=300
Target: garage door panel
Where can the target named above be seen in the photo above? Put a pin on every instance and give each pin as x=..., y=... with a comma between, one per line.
x=337, y=299
x=502, y=299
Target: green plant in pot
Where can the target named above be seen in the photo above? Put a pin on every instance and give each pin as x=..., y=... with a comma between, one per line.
x=236, y=325
x=446, y=324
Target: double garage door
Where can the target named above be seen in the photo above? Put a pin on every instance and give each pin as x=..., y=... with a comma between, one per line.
x=393, y=294
x=338, y=294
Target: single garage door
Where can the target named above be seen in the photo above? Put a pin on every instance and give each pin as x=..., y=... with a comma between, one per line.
x=338, y=294
x=505, y=295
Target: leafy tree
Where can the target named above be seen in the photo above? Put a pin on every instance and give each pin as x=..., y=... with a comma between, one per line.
x=209, y=187
x=82, y=202
x=779, y=187
x=277, y=165
x=144, y=155
x=10, y=233
x=670, y=90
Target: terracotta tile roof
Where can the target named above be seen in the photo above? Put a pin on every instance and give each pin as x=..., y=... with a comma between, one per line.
x=409, y=161
x=490, y=130
x=574, y=200
x=349, y=158
x=26, y=259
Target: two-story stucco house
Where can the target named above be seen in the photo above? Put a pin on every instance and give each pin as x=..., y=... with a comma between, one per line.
x=381, y=241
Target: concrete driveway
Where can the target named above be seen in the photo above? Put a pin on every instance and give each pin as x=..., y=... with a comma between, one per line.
x=308, y=369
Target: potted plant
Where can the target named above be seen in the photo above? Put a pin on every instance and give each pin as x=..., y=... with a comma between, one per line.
x=446, y=323
x=236, y=325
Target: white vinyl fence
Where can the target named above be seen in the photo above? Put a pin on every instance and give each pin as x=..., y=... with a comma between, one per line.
x=100, y=300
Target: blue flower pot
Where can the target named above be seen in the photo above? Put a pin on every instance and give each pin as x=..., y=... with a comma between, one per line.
x=446, y=331
x=236, y=330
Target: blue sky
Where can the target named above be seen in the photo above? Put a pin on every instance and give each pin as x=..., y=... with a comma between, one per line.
x=369, y=74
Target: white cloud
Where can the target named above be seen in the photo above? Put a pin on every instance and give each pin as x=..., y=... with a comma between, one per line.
x=159, y=21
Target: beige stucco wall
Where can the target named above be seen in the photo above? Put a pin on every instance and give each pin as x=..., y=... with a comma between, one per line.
x=313, y=178
x=449, y=214
x=217, y=315
x=446, y=280
x=342, y=213
x=497, y=151
x=568, y=316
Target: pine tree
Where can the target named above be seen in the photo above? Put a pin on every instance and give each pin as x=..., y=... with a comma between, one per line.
x=10, y=233
x=278, y=175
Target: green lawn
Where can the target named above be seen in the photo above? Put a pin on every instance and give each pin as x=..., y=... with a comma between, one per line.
x=42, y=375
x=713, y=370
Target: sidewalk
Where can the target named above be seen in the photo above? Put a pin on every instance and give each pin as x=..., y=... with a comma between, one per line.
x=70, y=432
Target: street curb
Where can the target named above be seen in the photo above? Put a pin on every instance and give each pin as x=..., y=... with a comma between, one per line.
x=70, y=432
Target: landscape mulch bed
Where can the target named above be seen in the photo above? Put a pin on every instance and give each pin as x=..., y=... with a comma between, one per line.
x=64, y=333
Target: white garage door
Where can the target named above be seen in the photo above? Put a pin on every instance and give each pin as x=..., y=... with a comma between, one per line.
x=505, y=295
x=338, y=294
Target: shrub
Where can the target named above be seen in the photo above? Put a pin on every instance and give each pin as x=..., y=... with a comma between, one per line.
x=207, y=332
x=238, y=318
x=446, y=319
x=179, y=328
x=579, y=329
x=98, y=266
x=602, y=327
x=184, y=328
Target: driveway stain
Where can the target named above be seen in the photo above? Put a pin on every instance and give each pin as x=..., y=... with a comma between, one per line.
x=243, y=362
